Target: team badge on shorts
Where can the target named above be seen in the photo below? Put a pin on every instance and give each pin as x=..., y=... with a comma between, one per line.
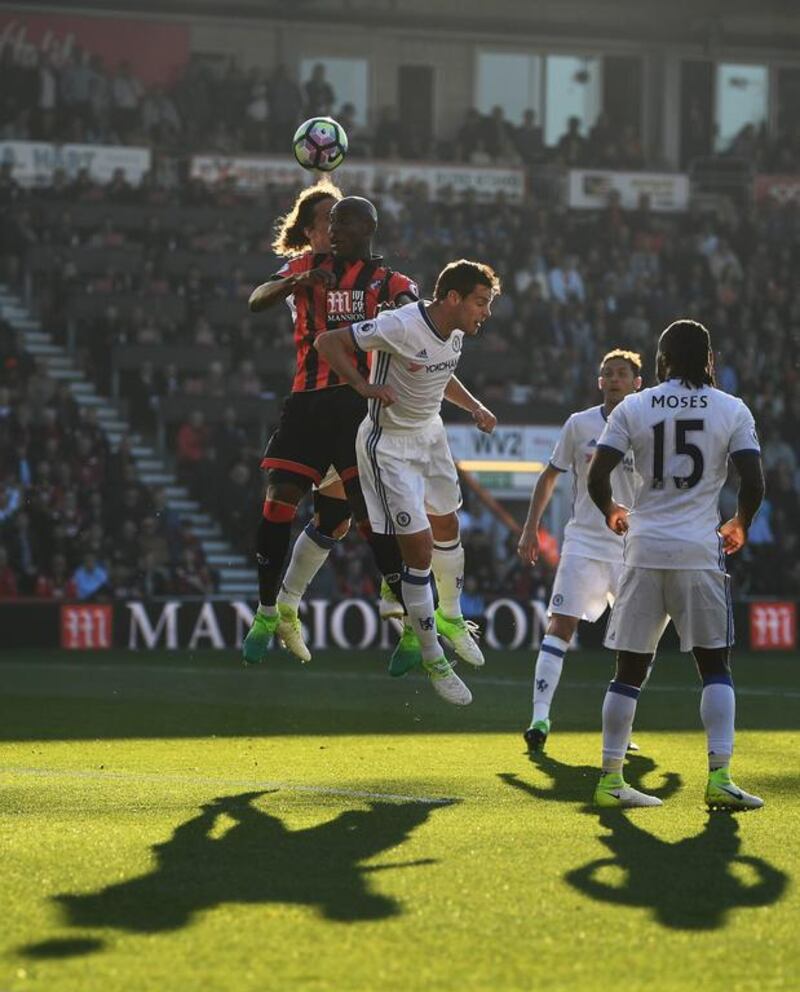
x=403, y=519
x=558, y=599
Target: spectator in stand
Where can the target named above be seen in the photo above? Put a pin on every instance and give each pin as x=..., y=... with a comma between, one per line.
x=160, y=120
x=238, y=504
x=192, y=576
x=529, y=139
x=48, y=95
x=191, y=452
x=56, y=584
x=100, y=101
x=126, y=99
x=10, y=501
x=8, y=578
x=91, y=579
x=24, y=548
x=499, y=138
x=257, y=112
x=566, y=283
x=285, y=107
x=571, y=147
x=318, y=93
x=153, y=544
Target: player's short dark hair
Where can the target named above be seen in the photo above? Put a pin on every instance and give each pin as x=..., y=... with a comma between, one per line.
x=633, y=358
x=463, y=276
x=290, y=230
x=684, y=352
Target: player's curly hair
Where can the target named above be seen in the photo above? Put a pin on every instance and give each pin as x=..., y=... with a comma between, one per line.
x=684, y=352
x=290, y=236
x=463, y=276
x=633, y=358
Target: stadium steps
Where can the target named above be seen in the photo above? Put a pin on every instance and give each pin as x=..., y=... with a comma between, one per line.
x=235, y=578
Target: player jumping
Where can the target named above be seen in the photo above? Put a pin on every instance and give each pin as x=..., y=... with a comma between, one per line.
x=408, y=475
x=681, y=433
x=319, y=420
x=591, y=556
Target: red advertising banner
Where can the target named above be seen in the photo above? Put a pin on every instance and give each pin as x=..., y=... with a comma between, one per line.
x=780, y=188
x=87, y=627
x=773, y=626
x=156, y=50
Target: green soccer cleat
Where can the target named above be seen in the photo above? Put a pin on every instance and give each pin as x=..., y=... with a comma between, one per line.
x=613, y=792
x=389, y=605
x=536, y=735
x=446, y=683
x=258, y=639
x=723, y=793
x=460, y=633
x=407, y=653
x=290, y=632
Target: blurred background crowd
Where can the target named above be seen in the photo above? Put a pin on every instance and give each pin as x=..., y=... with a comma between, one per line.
x=168, y=267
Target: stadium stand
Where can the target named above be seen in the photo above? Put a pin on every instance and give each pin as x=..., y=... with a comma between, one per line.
x=159, y=284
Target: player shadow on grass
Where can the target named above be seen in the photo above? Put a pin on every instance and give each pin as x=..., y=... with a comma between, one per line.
x=255, y=860
x=575, y=783
x=690, y=884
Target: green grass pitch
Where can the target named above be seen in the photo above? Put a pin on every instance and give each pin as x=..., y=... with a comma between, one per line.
x=174, y=822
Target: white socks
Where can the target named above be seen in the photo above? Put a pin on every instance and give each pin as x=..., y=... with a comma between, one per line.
x=418, y=599
x=309, y=554
x=619, y=709
x=547, y=674
x=718, y=712
x=448, y=570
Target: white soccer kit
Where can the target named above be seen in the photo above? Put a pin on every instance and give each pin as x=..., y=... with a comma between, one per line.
x=674, y=563
x=404, y=461
x=591, y=555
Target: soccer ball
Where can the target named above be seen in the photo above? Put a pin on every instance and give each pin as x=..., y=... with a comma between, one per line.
x=320, y=143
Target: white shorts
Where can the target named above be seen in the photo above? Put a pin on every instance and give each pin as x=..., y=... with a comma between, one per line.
x=698, y=602
x=405, y=476
x=330, y=477
x=583, y=587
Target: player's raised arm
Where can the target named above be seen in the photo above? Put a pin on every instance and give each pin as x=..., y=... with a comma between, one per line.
x=337, y=348
x=751, y=493
x=457, y=393
x=277, y=290
x=598, y=483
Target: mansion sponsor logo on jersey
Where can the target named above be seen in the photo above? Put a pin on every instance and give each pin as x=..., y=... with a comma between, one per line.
x=346, y=305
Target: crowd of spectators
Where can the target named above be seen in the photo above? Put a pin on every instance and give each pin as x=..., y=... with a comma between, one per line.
x=575, y=284
x=75, y=522
x=218, y=106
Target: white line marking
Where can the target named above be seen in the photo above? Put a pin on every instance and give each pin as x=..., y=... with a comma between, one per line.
x=511, y=683
x=321, y=790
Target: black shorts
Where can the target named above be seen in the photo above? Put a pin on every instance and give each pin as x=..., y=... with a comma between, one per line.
x=316, y=430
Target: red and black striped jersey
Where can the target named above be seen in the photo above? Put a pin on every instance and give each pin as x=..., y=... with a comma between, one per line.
x=361, y=287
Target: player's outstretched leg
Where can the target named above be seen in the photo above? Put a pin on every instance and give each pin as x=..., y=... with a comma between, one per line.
x=447, y=561
x=310, y=552
x=418, y=599
x=272, y=544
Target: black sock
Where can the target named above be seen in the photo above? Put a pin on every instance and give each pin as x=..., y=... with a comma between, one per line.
x=386, y=552
x=272, y=547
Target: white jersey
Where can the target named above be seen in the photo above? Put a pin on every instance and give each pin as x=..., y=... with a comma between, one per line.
x=414, y=359
x=586, y=534
x=680, y=438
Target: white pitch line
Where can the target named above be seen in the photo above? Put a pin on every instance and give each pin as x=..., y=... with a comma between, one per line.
x=321, y=790
x=304, y=673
